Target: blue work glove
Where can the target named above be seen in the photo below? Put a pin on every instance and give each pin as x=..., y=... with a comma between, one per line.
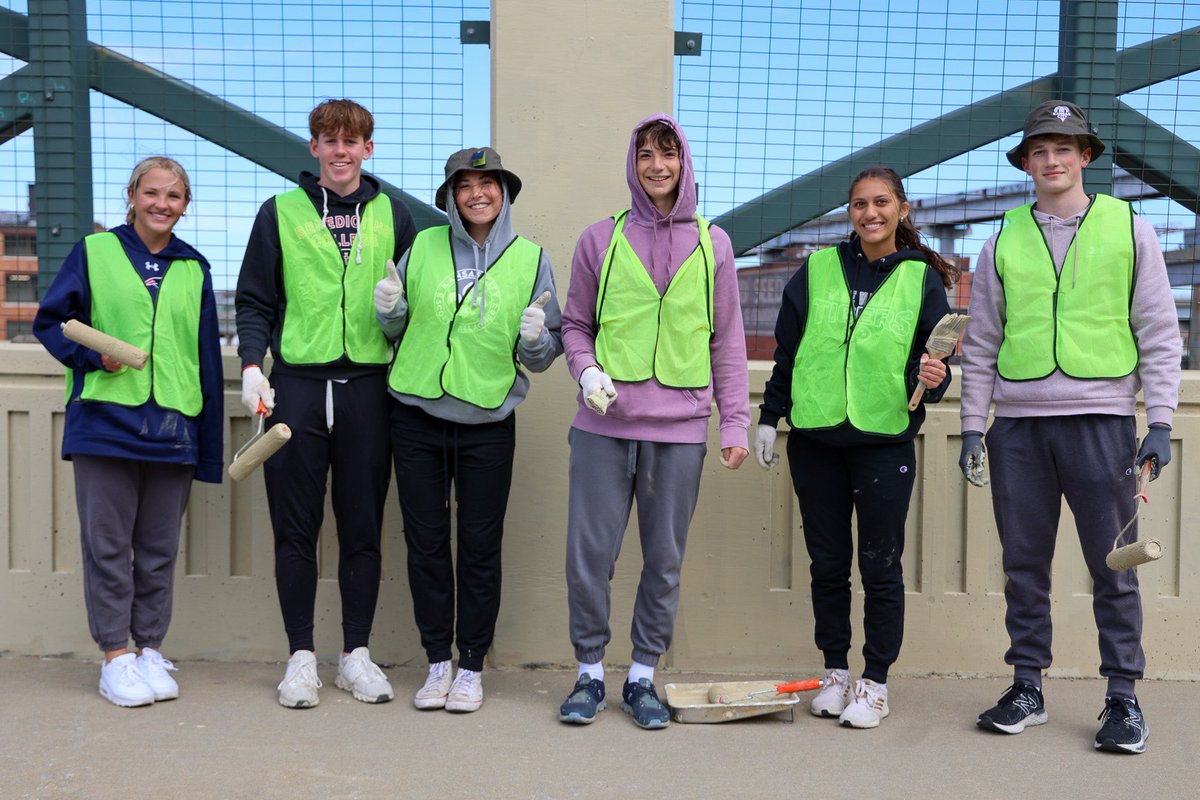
x=1156, y=448
x=972, y=458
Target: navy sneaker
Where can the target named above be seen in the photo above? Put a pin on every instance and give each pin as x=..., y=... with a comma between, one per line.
x=641, y=702
x=1020, y=706
x=583, y=702
x=1124, y=729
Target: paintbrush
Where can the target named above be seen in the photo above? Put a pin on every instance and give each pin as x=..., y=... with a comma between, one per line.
x=941, y=343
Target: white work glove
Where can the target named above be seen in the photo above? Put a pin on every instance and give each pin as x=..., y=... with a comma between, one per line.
x=533, y=319
x=388, y=291
x=598, y=390
x=256, y=389
x=764, y=446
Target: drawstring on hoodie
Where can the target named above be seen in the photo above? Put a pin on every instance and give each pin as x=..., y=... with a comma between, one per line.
x=357, y=233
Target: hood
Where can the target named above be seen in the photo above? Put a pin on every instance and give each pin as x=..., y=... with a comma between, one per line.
x=497, y=239
x=176, y=248
x=368, y=188
x=641, y=209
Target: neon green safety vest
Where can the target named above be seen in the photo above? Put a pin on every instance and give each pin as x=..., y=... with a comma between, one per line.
x=645, y=335
x=847, y=369
x=446, y=349
x=168, y=329
x=1076, y=320
x=330, y=303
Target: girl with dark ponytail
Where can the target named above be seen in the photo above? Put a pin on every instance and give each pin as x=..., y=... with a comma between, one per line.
x=843, y=376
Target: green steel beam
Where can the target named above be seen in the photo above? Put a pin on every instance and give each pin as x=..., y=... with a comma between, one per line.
x=1158, y=157
x=62, y=123
x=16, y=103
x=14, y=34
x=811, y=195
x=220, y=121
x=1087, y=74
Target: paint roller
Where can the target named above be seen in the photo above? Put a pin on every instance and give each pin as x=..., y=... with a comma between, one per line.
x=1144, y=550
x=107, y=345
x=724, y=694
x=261, y=446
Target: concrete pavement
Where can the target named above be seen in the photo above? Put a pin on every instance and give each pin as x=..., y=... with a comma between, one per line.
x=227, y=737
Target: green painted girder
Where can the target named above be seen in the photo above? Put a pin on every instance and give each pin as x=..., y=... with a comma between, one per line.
x=192, y=109
x=220, y=121
x=950, y=135
x=16, y=103
x=1158, y=157
x=1087, y=74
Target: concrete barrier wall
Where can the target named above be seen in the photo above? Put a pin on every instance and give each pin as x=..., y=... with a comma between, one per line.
x=745, y=603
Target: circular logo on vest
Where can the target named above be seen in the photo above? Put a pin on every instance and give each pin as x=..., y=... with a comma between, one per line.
x=489, y=297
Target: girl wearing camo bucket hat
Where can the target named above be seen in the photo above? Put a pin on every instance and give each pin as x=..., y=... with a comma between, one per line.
x=1071, y=315
x=468, y=305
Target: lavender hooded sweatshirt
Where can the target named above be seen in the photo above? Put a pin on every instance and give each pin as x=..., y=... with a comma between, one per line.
x=647, y=410
x=1151, y=315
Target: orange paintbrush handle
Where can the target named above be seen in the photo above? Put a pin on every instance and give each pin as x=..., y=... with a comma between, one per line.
x=798, y=686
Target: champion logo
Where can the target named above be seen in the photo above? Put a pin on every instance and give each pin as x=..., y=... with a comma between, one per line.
x=1062, y=112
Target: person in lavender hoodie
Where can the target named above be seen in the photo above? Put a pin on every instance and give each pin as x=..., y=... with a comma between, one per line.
x=652, y=331
x=1071, y=314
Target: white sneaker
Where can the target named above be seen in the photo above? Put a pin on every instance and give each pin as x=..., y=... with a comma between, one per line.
x=362, y=677
x=869, y=706
x=154, y=668
x=467, y=692
x=123, y=684
x=437, y=686
x=834, y=696
x=300, y=683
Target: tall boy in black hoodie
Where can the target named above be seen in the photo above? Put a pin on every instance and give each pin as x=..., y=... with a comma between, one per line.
x=306, y=290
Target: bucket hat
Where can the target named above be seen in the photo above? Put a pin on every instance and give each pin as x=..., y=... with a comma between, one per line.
x=483, y=159
x=1055, y=117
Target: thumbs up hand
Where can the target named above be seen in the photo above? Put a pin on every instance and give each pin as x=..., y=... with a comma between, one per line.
x=533, y=320
x=388, y=291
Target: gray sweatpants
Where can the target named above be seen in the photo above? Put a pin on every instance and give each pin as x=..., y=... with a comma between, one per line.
x=129, y=517
x=1087, y=458
x=606, y=474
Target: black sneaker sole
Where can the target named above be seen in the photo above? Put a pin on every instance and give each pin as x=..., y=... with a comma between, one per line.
x=989, y=724
x=1131, y=749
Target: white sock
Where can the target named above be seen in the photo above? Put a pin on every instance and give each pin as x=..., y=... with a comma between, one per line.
x=594, y=671
x=638, y=671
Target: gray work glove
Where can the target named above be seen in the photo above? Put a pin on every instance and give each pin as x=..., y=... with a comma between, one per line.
x=764, y=446
x=1156, y=448
x=972, y=458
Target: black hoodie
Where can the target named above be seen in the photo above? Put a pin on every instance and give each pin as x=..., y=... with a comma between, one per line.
x=261, y=302
x=863, y=278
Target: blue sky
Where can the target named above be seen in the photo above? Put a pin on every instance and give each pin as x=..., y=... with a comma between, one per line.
x=781, y=88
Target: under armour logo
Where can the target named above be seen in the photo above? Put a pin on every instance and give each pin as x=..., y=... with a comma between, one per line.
x=1062, y=112
x=152, y=266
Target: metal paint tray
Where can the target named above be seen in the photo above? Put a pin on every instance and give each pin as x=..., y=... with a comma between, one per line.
x=689, y=702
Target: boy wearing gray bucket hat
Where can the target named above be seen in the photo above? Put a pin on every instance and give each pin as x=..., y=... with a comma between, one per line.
x=1064, y=332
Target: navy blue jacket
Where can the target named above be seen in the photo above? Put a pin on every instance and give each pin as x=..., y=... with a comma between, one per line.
x=147, y=432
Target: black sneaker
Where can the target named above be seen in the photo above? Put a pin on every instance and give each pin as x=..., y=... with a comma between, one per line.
x=1020, y=706
x=641, y=702
x=583, y=702
x=1124, y=729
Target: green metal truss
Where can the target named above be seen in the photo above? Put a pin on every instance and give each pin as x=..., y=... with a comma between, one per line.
x=50, y=95
x=1091, y=73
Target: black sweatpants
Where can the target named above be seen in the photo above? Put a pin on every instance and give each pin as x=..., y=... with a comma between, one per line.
x=1088, y=459
x=875, y=482
x=357, y=451
x=431, y=454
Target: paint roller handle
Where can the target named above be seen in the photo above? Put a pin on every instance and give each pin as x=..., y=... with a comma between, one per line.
x=1143, y=489
x=798, y=686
